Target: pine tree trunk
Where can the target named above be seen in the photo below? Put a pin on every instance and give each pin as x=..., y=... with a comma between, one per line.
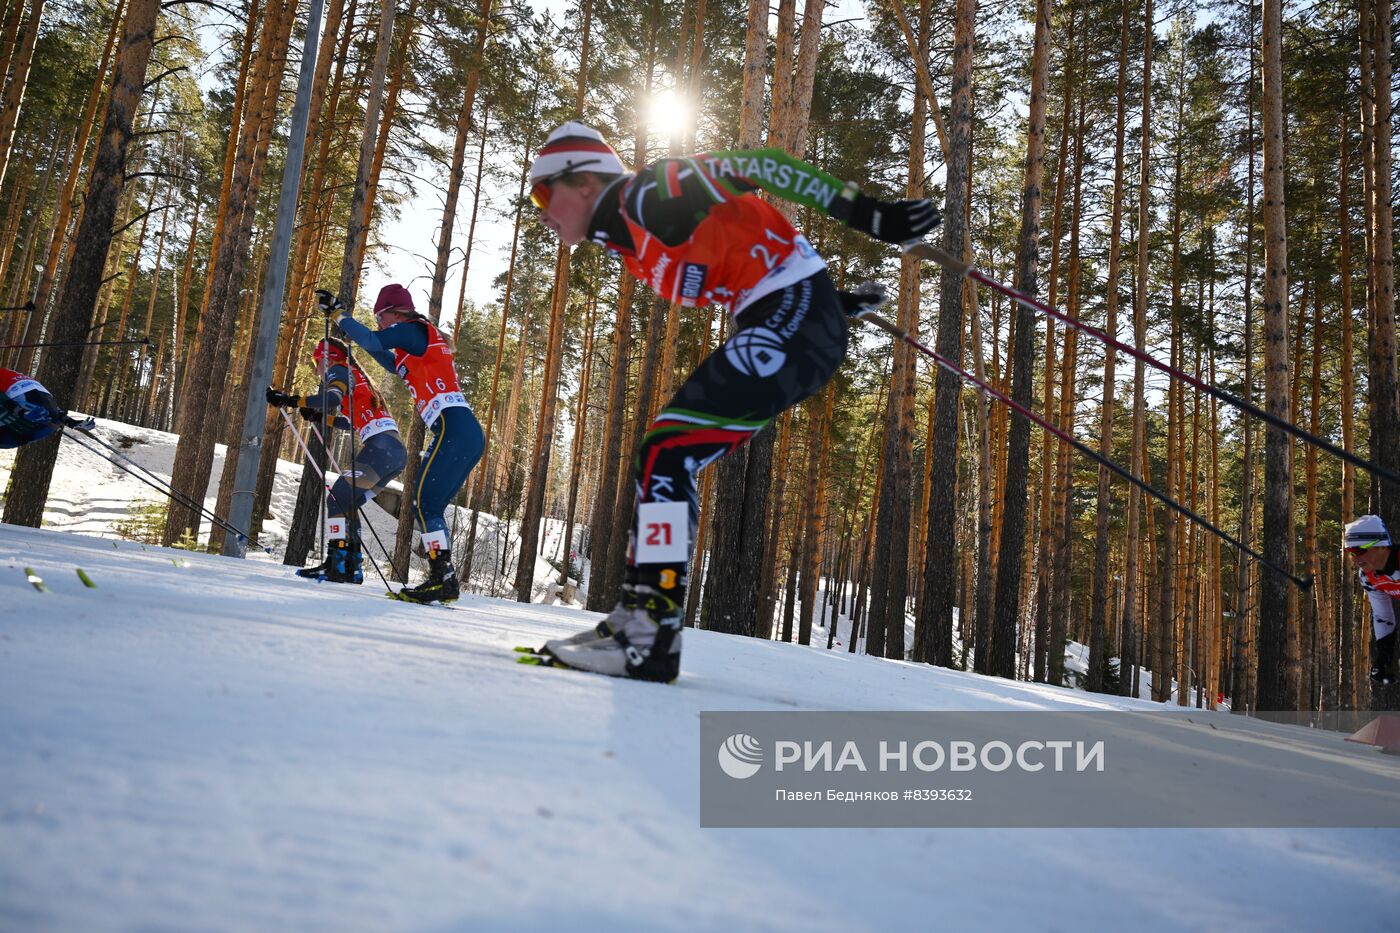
x=889, y=579
x=814, y=515
x=607, y=551
x=35, y=324
x=19, y=81
x=63, y=209
x=1348, y=406
x=1064, y=524
x=549, y=391
x=1132, y=571
x=544, y=431
x=9, y=35
x=1314, y=613
x=1278, y=520
x=1385, y=432
x=1013, y=530
x=986, y=476
x=933, y=635
x=1099, y=599
x=1241, y=695
x=1049, y=501
x=1386, y=417
x=132, y=407
x=576, y=464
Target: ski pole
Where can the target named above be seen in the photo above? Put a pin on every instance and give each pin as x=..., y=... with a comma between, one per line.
x=325, y=457
x=74, y=343
x=966, y=270
x=27, y=306
x=350, y=407
x=885, y=324
x=302, y=444
x=129, y=466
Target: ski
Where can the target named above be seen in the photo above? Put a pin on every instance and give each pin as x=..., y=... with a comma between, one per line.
x=404, y=599
x=536, y=657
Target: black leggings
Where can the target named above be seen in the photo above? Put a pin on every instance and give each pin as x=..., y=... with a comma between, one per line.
x=785, y=347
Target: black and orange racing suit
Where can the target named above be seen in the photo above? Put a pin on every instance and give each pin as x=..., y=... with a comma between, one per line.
x=693, y=230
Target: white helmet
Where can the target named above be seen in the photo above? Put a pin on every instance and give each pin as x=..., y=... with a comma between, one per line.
x=1366, y=531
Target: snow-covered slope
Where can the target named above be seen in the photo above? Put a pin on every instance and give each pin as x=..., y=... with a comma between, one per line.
x=203, y=743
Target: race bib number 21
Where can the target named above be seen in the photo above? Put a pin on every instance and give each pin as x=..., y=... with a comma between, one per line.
x=663, y=532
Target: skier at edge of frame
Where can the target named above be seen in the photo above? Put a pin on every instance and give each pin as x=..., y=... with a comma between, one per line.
x=693, y=230
x=1368, y=543
x=381, y=456
x=28, y=411
x=411, y=347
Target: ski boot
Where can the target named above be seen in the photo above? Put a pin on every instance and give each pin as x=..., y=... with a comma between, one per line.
x=344, y=563
x=441, y=585
x=642, y=640
x=611, y=622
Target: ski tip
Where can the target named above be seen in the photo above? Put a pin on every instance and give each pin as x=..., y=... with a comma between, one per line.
x=35, y=580
x=87, y=580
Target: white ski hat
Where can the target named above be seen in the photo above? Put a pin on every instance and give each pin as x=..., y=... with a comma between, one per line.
x=575, y=147
x=1366, y=531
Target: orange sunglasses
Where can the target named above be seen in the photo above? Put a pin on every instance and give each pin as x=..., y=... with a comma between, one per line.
x=542, y=190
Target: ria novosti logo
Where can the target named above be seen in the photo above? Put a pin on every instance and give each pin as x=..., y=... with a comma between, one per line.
x=740, y=756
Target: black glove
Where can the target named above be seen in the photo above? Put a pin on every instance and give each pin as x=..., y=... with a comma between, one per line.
x=81, y=424
x=891, y=221
x=280, y=399
x=309, y=413
x=329, y=304
x=867, y=296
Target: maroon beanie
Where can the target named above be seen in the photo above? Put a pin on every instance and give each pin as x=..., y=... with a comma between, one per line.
x=393, y=298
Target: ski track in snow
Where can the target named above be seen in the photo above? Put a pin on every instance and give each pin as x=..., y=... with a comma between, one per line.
x=208, y=744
